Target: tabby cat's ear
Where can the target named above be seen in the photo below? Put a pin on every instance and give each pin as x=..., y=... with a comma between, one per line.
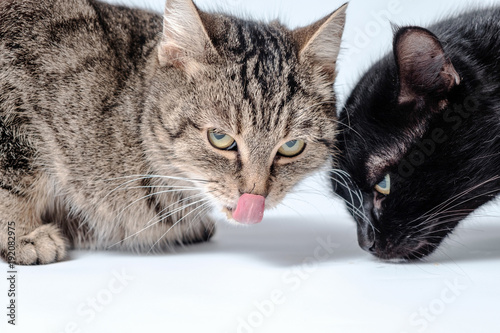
x=185, y=43
x=425, y=71
x=319, y=43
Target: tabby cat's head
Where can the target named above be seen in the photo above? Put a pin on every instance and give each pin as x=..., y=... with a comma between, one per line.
x=248, y=108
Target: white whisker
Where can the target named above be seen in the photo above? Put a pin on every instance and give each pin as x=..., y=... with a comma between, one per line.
x=162, y=217
x=177, y=222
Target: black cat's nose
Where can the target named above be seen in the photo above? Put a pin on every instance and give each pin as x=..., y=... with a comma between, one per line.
x=367, y=244
x=366, y=236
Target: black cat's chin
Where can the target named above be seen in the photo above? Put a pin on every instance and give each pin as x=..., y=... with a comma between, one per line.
x=405, y=252
x=390, y=248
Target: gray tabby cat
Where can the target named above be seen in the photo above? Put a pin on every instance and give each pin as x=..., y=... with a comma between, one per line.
x=122, y=128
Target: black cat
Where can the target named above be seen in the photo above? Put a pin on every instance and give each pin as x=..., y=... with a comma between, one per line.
x=420, y=139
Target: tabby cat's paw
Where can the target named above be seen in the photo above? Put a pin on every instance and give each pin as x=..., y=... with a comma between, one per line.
x=200, y=233
x=43, y=245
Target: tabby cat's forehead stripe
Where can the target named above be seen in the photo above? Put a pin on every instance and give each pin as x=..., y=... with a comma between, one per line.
x=266, y=56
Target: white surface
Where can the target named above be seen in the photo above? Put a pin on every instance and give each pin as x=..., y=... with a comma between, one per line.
x=231, y=281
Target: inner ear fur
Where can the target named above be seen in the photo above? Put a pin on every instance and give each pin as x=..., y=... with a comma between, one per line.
x=319, y=43
x=425, y=71
x=185, y=43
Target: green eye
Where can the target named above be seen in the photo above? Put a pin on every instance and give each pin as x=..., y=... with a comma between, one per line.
x=292, y=148
x=384, y=187
x=221, y=141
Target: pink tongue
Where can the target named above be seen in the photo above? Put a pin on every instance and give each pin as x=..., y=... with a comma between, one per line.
x=250, y=209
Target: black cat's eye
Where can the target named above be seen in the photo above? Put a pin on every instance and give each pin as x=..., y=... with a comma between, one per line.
x=292, y=148
x=384, y=187
x=221, y=141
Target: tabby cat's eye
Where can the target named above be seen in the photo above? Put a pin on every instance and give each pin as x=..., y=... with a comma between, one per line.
x=220, y=140
x=384, y=187
x=292, y=148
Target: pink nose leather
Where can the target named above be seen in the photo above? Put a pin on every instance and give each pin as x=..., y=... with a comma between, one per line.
x=250, y=209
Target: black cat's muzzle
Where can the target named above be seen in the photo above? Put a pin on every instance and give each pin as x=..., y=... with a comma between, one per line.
x=366, y=235
x=387, y=245
x=355, y=201
x=384, y=242
x=367, y=211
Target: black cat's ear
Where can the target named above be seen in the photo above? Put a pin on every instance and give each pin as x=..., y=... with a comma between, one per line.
x=425, y=71
x=185, y=43
x=319, y=43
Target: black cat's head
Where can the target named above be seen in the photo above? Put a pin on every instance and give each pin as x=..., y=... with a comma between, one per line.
x=407, y=163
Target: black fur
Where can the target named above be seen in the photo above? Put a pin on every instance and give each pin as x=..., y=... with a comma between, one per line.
x=431, y=110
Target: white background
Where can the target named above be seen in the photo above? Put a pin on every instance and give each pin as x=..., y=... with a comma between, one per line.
x=279, y=276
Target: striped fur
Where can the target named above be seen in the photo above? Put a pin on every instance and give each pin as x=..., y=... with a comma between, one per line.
x=104, y=112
